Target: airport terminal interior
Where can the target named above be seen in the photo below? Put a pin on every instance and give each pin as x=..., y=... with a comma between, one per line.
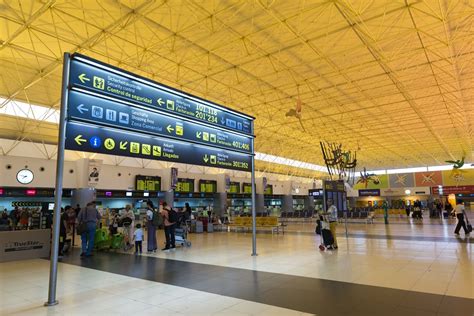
x=236, y=157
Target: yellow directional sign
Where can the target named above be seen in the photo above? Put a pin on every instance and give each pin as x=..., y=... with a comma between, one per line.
x=206, y=158
x=157, y=151
x=213, y=159
x=99, y=83
x=160, y=101
x=213, y=138
x=83, y=78
x=123, y=145
x=198, y=134
x=170, y=129
x=79, y=140
x=146, y=149
x=134, y=148
x=179, y=130
x=109, y=144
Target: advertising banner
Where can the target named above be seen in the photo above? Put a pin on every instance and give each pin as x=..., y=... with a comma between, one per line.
x=227, y=182
x=24, y=244
x=174, y=178
x=94, y=172
x=458, y=177
x=376, y=182
x=429, y=178
x=401, y=180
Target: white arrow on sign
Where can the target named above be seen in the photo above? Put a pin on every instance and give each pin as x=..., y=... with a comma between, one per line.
x=81, y=108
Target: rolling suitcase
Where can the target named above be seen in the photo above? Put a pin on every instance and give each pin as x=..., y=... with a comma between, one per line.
x=328, y=239
x=199, y=227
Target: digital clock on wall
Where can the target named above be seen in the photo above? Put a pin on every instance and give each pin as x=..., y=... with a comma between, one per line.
x=25, y=176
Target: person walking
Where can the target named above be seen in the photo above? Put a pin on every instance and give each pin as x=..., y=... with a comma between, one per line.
x=151, y=229
x=332, y=215
x=170, y=219
x=88, y=216
x=461, y=214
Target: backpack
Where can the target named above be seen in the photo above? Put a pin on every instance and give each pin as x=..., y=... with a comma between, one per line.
x=172, y=216
x=157, y=220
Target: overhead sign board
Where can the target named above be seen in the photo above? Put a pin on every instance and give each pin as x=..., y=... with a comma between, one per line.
x=109, y=112
x=83, y=137
x=112, y=111
x=118, y=83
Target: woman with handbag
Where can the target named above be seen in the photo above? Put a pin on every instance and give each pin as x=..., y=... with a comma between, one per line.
x=461, y=214
x=87, y=226
x=151, y=229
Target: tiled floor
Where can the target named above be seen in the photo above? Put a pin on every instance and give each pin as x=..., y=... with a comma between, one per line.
x=83, y=291
x=441, y=266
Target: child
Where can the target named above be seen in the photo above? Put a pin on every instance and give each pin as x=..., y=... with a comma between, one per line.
x=138, y=237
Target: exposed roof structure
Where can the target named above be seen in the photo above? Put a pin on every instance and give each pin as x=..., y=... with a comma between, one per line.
x=392, y=79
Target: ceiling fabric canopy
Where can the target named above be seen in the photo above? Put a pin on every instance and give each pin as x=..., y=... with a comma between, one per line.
x=391, y=79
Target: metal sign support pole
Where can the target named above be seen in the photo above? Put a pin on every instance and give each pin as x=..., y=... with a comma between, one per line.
x=53, y=271
x=254, y=211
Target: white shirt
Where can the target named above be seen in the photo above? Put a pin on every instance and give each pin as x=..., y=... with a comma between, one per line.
x=138, y=234
x=332, y=213
x=149, y=215
x=459, y=209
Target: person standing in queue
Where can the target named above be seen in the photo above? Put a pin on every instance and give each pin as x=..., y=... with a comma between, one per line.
x=90, y=216
x=128, y=222
x=461, y=215
x=170, y=219
x=151, y=229
x=187, y=211
x=332, y=215
x=63, y=229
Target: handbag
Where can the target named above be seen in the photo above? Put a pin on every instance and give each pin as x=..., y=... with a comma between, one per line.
x=81, y=228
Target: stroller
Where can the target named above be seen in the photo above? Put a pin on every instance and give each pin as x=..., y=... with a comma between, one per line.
x=181, y=231
x=322, y=229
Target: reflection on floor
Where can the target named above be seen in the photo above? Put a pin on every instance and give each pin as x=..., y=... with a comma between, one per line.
x=442, y=266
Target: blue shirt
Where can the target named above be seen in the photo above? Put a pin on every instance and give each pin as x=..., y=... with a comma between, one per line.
x=89, y=215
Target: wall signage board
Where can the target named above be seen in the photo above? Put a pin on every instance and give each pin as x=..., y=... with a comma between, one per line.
x=185, y=185
x=369, y=192
x=318, y=193
x=207, y=186
x=147, y=183
x=117, y=83
x=246, y=187
x=94, y=109
x=112, y=111
x=234, y=187
x=268, y=189
x=110, y=141
x=462, y=189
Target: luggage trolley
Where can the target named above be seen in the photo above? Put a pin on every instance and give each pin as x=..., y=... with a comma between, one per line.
x=181, y=232
x=323, y=229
